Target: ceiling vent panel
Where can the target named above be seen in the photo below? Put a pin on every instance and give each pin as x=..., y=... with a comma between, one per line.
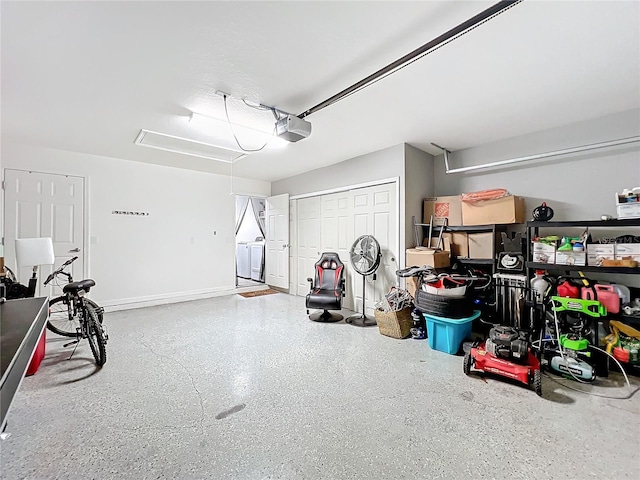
x=184, y=146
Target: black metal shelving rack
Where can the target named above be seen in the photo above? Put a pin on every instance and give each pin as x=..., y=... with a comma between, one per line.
x=533, y=229
x=493, y=229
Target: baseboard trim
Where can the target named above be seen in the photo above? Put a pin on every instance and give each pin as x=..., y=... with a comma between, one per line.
x=177, y=297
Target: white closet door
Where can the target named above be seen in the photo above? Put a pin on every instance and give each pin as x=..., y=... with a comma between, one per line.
x=332, y=222
x=337, y=233
x=309, y=249
x=375, y=213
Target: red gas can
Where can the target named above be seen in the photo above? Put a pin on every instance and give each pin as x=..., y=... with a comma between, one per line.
x=605, y=294
x=565, y=289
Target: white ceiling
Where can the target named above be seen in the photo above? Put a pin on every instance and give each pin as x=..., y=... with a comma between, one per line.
x=87, y=76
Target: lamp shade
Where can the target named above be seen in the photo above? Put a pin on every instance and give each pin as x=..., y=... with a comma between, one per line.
x=31, y=252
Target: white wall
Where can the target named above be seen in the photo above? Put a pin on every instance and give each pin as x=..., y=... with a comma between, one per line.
x=383, y=164
x=170, y=255
x=418, y=182
x=413, y=168
x=577, y=187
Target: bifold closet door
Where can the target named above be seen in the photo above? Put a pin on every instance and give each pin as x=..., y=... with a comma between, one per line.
x=308, y=241
x=332, y=222
x=374, y=211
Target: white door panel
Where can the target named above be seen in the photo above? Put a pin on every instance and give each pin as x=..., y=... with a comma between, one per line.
x=45, y=205
x=277, y=260
x=309, y=248
x=337, y=231
x=375, y=213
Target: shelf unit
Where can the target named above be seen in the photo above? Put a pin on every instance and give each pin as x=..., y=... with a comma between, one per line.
x=493, y=229
x=533, y=229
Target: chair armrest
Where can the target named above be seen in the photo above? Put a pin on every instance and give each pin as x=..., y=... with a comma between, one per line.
x=344, y=290
x=310, y=280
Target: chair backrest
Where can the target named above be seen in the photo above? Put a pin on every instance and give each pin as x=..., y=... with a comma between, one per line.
x=329, y=271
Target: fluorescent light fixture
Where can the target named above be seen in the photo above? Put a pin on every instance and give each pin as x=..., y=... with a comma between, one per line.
x=250, y=138
x=185, y=146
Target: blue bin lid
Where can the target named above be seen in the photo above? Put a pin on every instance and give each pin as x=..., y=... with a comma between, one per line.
x=476, y=314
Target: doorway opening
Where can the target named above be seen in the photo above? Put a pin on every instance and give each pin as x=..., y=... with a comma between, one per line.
x=250, y=241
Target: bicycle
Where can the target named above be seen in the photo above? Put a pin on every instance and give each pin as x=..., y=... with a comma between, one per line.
x=74, y=315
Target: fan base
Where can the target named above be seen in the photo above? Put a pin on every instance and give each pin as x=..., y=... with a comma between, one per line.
x=360, y=320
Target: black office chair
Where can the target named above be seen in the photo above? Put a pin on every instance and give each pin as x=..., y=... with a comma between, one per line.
x=327, y=289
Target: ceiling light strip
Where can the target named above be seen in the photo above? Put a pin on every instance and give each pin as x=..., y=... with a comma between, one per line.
x=222, y=154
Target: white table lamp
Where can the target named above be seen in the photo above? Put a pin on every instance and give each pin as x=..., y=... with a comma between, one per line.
x=32, y=252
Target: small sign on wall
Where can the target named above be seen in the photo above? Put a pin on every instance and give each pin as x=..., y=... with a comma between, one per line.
x=124, y=212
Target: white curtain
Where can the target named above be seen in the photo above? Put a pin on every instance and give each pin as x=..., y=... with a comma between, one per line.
x=258, y=208
x=241, y=209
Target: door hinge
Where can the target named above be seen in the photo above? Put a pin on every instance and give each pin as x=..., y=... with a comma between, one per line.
x=3, y=184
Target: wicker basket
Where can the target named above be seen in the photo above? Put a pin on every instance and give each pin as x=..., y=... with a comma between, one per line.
x=394, y=324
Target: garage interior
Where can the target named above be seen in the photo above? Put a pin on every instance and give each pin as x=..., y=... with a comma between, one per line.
x=208, y=153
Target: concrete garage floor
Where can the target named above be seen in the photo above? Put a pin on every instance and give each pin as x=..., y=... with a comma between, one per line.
x=248, y=388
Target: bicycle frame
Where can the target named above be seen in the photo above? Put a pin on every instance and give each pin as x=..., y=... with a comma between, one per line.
x=76, y=304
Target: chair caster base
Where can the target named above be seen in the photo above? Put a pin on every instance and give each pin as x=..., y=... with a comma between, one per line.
x=325, y=317
x=361, y=320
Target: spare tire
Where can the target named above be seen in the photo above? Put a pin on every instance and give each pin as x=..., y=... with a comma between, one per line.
x=440, y=306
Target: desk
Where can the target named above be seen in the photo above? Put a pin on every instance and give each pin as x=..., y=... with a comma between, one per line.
x=21, y=325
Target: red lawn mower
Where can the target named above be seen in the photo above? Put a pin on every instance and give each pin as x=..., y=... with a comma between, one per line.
x=507, y=351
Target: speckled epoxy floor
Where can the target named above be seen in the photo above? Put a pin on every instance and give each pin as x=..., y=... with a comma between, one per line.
x=249, y=388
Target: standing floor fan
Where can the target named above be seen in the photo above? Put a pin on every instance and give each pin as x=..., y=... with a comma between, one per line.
x=365, y=259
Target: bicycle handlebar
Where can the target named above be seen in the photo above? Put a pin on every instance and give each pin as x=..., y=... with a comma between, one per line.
x=60, y=270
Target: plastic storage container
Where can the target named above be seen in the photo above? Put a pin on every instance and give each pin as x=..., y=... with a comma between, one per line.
x=447, y=334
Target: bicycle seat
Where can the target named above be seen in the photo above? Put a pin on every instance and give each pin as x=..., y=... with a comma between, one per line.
x=75, y=287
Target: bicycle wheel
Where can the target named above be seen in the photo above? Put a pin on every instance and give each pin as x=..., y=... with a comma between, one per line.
x=96, y=308
x=95, y=336
x=61, y=318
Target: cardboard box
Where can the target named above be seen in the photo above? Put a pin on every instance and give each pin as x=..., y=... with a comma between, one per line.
x=487, y=212
x=419, y=258
x=627, y=207
x=597, y=252
x=429, y=258
x=446, y=243
x=628, y=210
x=446, y=207
x=629, y=251
x=571, y=258
x=544, y=253
x=459, y=244
x=481, y=245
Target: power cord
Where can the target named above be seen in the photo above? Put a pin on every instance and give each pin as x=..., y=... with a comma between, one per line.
x=579, y=380
x=226, y=111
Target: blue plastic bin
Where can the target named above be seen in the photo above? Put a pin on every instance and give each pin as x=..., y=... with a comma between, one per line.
x=447, y=334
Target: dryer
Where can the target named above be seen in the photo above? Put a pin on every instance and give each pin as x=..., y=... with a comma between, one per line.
x=243, y=259
x=257, y=260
